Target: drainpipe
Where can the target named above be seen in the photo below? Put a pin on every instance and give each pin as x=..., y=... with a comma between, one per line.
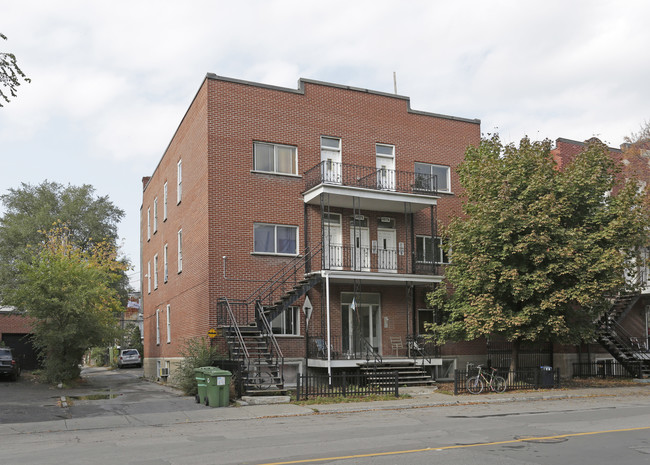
x=329, y=354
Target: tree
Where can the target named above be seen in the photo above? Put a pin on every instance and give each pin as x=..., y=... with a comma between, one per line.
x=539, y=250
x=67, y=291
x=32, y=208
x=10, y=74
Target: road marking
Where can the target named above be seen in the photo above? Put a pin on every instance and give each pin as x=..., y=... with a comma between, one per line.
x=458, y=446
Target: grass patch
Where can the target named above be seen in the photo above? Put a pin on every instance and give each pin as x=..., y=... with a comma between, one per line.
x=345, y=400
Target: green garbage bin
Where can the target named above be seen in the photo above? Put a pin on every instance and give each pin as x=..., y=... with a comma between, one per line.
x=199, y=375
x=217, y=383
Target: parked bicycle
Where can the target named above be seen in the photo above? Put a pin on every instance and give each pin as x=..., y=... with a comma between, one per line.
x=261, y=379
x=476, y=384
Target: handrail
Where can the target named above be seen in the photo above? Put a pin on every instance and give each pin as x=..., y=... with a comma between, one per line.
x=624, y=338
x=278, y=357
x=370, y=349
x=235, y=326
x=416, y=346
x=267, y=289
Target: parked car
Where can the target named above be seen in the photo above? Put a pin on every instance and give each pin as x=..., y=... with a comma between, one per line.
x=129, y=357
x=9, y=365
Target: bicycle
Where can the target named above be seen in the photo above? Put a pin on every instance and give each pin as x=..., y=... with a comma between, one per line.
x=261, y=380
x=476, y=384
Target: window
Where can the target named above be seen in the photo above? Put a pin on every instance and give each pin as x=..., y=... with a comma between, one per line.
x=165, y=201
x=287, y=322
x=275, y=239
x=155, y=271
x=155, y=215
x=426, y=253
x=428, y=177
x=179, y=181
x=169, y=325
x=157, y=326
x=148, y=223
x=274, y=158
x=180, y=250
x=149, y=277
x=165, y=263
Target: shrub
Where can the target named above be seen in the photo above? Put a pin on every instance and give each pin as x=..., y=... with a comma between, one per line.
x=196, y=352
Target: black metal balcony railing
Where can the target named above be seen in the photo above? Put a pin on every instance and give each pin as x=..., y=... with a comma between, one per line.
x=345, y=174
x=348, y=258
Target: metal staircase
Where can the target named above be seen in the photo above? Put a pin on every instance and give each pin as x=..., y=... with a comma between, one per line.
x=618, y=342
x=247, y=328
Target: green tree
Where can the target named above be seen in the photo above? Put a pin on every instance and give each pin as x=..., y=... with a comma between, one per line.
x=538, y=250
x=68, y=292
x=32, y=208
x=10, y=74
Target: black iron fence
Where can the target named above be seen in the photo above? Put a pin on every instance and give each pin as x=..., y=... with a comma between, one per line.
x=346, y=385
x=522, y=379
x=607, y=369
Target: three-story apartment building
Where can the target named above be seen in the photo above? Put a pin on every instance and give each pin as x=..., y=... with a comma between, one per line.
x=284, y=207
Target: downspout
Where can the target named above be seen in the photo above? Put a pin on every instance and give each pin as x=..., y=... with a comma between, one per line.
x=329, y=353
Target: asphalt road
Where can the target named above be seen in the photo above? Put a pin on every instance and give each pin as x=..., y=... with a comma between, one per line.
x=588, y=430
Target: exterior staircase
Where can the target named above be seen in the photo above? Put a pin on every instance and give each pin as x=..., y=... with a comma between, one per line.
x=248, y=333
x=408, y=372
x=618, y=342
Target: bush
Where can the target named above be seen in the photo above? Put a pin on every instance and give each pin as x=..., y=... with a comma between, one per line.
x=196, y=352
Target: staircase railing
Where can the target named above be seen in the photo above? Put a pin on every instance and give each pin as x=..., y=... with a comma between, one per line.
x=277, y=358
x=231, y=323
x=291, y=271
x=625, y=339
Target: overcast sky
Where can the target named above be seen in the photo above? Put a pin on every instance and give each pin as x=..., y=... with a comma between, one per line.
x=112, y=80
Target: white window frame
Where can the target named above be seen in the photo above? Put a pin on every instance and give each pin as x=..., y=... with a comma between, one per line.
x=155, y=272
x=165, y=265
x=444, y=257
x=149, y=277
x=155, y=215
x=157, y=326
x=275, y=241
x=148, y=223
x=165, y=201
x=169, y=325
x=179, y=236
x=431, y=166
x=279, y=323
x=179, y=181
x=276, y=148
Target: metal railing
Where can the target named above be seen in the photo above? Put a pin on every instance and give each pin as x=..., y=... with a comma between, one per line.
x=367, y=177
x=347, y=385
x=522, y=379
x=343, y=257
x=277, y=358
x=607, y=369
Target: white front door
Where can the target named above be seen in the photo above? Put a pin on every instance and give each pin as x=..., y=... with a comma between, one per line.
x=367, y=319
x=333, y=247
x=387, y=250
x=360, y=240
x=385, y=167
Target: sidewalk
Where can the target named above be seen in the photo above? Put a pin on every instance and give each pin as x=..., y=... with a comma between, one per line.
x=420, y=398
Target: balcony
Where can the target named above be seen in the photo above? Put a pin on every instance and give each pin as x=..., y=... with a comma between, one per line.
x=382, y=189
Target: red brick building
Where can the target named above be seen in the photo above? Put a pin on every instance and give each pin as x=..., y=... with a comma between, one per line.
x=266, y=195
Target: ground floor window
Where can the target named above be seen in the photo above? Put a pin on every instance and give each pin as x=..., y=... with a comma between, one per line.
x=287, y=322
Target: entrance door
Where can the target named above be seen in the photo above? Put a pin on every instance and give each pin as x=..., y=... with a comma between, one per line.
x=365, y=323
x=333, y=246
x=360, y=240
x=330, y=157
x=387, y=250
x=385, y=167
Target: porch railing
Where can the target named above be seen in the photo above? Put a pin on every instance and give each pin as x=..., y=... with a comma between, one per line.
x=607, y=369
x=347, y=385
x=345, y=174
x=348, y=258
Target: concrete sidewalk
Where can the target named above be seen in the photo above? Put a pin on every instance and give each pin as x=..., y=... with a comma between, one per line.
x=420, y=398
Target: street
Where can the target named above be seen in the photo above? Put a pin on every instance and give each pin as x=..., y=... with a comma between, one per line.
x=603, y=429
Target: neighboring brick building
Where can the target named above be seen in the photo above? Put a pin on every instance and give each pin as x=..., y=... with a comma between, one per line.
x=15, y=332
x=623, y=332
x=342, y=186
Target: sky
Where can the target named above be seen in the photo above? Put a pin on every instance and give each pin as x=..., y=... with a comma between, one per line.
x=111, y=81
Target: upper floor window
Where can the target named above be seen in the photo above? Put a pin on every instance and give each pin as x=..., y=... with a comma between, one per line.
x=179, y=181
x=275, y=239
x=149, y=277
x=275, y=158
x=429, y=177
x=428, y=252
x=157, y=326
x=165, y=201
x=169, y=324
x=180, y=250
x=148, y=223
x=155, y=271
x=165, y=265
x=155, y=215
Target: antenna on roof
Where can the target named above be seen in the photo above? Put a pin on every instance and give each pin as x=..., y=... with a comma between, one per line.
x=395, y=82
